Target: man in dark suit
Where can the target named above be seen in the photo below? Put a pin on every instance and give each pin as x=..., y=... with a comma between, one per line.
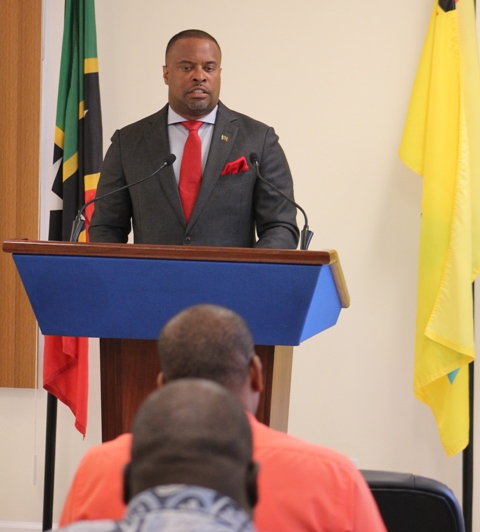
x=232, y=207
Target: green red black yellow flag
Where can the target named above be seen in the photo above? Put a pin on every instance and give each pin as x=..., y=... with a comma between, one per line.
x=77, y=159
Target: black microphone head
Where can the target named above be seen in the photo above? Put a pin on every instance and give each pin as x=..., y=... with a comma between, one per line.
x=254, y=159
x=170, y=159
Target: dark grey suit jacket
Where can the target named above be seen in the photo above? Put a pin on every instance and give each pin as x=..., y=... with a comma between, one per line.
x=228, y=209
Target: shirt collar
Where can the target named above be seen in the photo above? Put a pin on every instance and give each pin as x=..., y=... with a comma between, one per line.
x=175, y=118
x=190, y=498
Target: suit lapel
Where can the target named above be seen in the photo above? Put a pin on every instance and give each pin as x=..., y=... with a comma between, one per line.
x=156, y=137
x=225, y=128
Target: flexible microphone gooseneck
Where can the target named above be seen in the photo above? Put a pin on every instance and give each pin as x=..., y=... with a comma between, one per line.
x=79, y=222
x=305, y=235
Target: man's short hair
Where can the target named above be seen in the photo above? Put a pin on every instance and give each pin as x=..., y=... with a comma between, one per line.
x=191, y=431
x=206, y=342
x=190, y=34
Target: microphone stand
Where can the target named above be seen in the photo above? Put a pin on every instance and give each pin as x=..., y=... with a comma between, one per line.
x=305, y=235
x=79, y=222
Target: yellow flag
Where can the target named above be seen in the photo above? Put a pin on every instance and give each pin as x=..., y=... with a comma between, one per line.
x=441, y=142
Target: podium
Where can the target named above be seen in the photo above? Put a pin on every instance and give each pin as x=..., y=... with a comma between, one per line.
x=124, y=294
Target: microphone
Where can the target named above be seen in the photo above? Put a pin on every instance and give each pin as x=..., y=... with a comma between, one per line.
x=79, y=222
x=305, y=235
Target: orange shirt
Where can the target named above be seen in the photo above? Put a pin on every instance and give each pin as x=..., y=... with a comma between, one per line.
x=305, y=487
x=96, y=491
x=302, y=487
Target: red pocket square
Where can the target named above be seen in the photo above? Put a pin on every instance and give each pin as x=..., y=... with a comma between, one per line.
x=235, y=167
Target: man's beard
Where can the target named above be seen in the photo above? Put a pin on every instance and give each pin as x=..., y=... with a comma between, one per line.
x=197, y=106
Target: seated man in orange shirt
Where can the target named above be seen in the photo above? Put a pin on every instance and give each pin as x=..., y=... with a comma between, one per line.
x=302, y=487
x=191, y=466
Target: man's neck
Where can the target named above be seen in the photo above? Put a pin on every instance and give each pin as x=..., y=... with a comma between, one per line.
x=174, y=117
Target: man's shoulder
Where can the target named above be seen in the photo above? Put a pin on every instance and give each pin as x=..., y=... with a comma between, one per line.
x=157, y=117
x=113, y=450
x=91, y=526
x=273, y=443
x=242, y=119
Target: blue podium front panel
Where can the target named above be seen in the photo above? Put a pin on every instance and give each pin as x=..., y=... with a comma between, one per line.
x=133, y=298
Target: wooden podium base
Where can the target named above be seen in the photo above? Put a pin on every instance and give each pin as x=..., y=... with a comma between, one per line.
x=129, y=370
x=308, y=289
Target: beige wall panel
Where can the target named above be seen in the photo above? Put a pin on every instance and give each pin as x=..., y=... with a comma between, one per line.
x=20, y=42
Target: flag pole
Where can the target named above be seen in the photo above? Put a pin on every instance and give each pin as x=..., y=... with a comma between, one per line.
x=467, y=503
x=49, y=479
x=467, y=455
x=78, y=138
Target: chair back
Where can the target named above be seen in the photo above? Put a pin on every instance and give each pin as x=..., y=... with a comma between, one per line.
x=410, y=503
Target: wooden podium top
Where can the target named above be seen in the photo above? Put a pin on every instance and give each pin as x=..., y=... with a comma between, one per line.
x=190, y=253
x=131, y=290
x=146, y=251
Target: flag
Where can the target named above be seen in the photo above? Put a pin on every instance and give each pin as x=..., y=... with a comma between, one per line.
x=441, y=142
x=77, y=160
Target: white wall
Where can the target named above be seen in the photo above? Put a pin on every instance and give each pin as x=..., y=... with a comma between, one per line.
x=334, y=79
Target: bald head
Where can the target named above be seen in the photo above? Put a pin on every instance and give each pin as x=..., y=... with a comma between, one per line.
x=207, y=342
x=194, y=432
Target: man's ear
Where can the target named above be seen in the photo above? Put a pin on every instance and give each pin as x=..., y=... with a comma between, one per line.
x=127, y=492
x=256, y=374
x=252, y=484
x=160, y=379
x=165, y=74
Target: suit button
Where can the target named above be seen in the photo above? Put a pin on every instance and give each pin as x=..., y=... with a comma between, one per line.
x=187, y=239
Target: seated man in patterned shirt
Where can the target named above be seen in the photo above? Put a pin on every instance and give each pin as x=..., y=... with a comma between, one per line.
x=191, y=467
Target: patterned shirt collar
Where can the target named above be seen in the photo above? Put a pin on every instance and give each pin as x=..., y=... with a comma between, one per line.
x=172, y=508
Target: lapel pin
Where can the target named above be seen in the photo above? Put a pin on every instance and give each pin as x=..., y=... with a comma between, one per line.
x=224, y=138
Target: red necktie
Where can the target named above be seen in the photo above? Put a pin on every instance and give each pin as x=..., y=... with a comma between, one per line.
x=191, y=168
